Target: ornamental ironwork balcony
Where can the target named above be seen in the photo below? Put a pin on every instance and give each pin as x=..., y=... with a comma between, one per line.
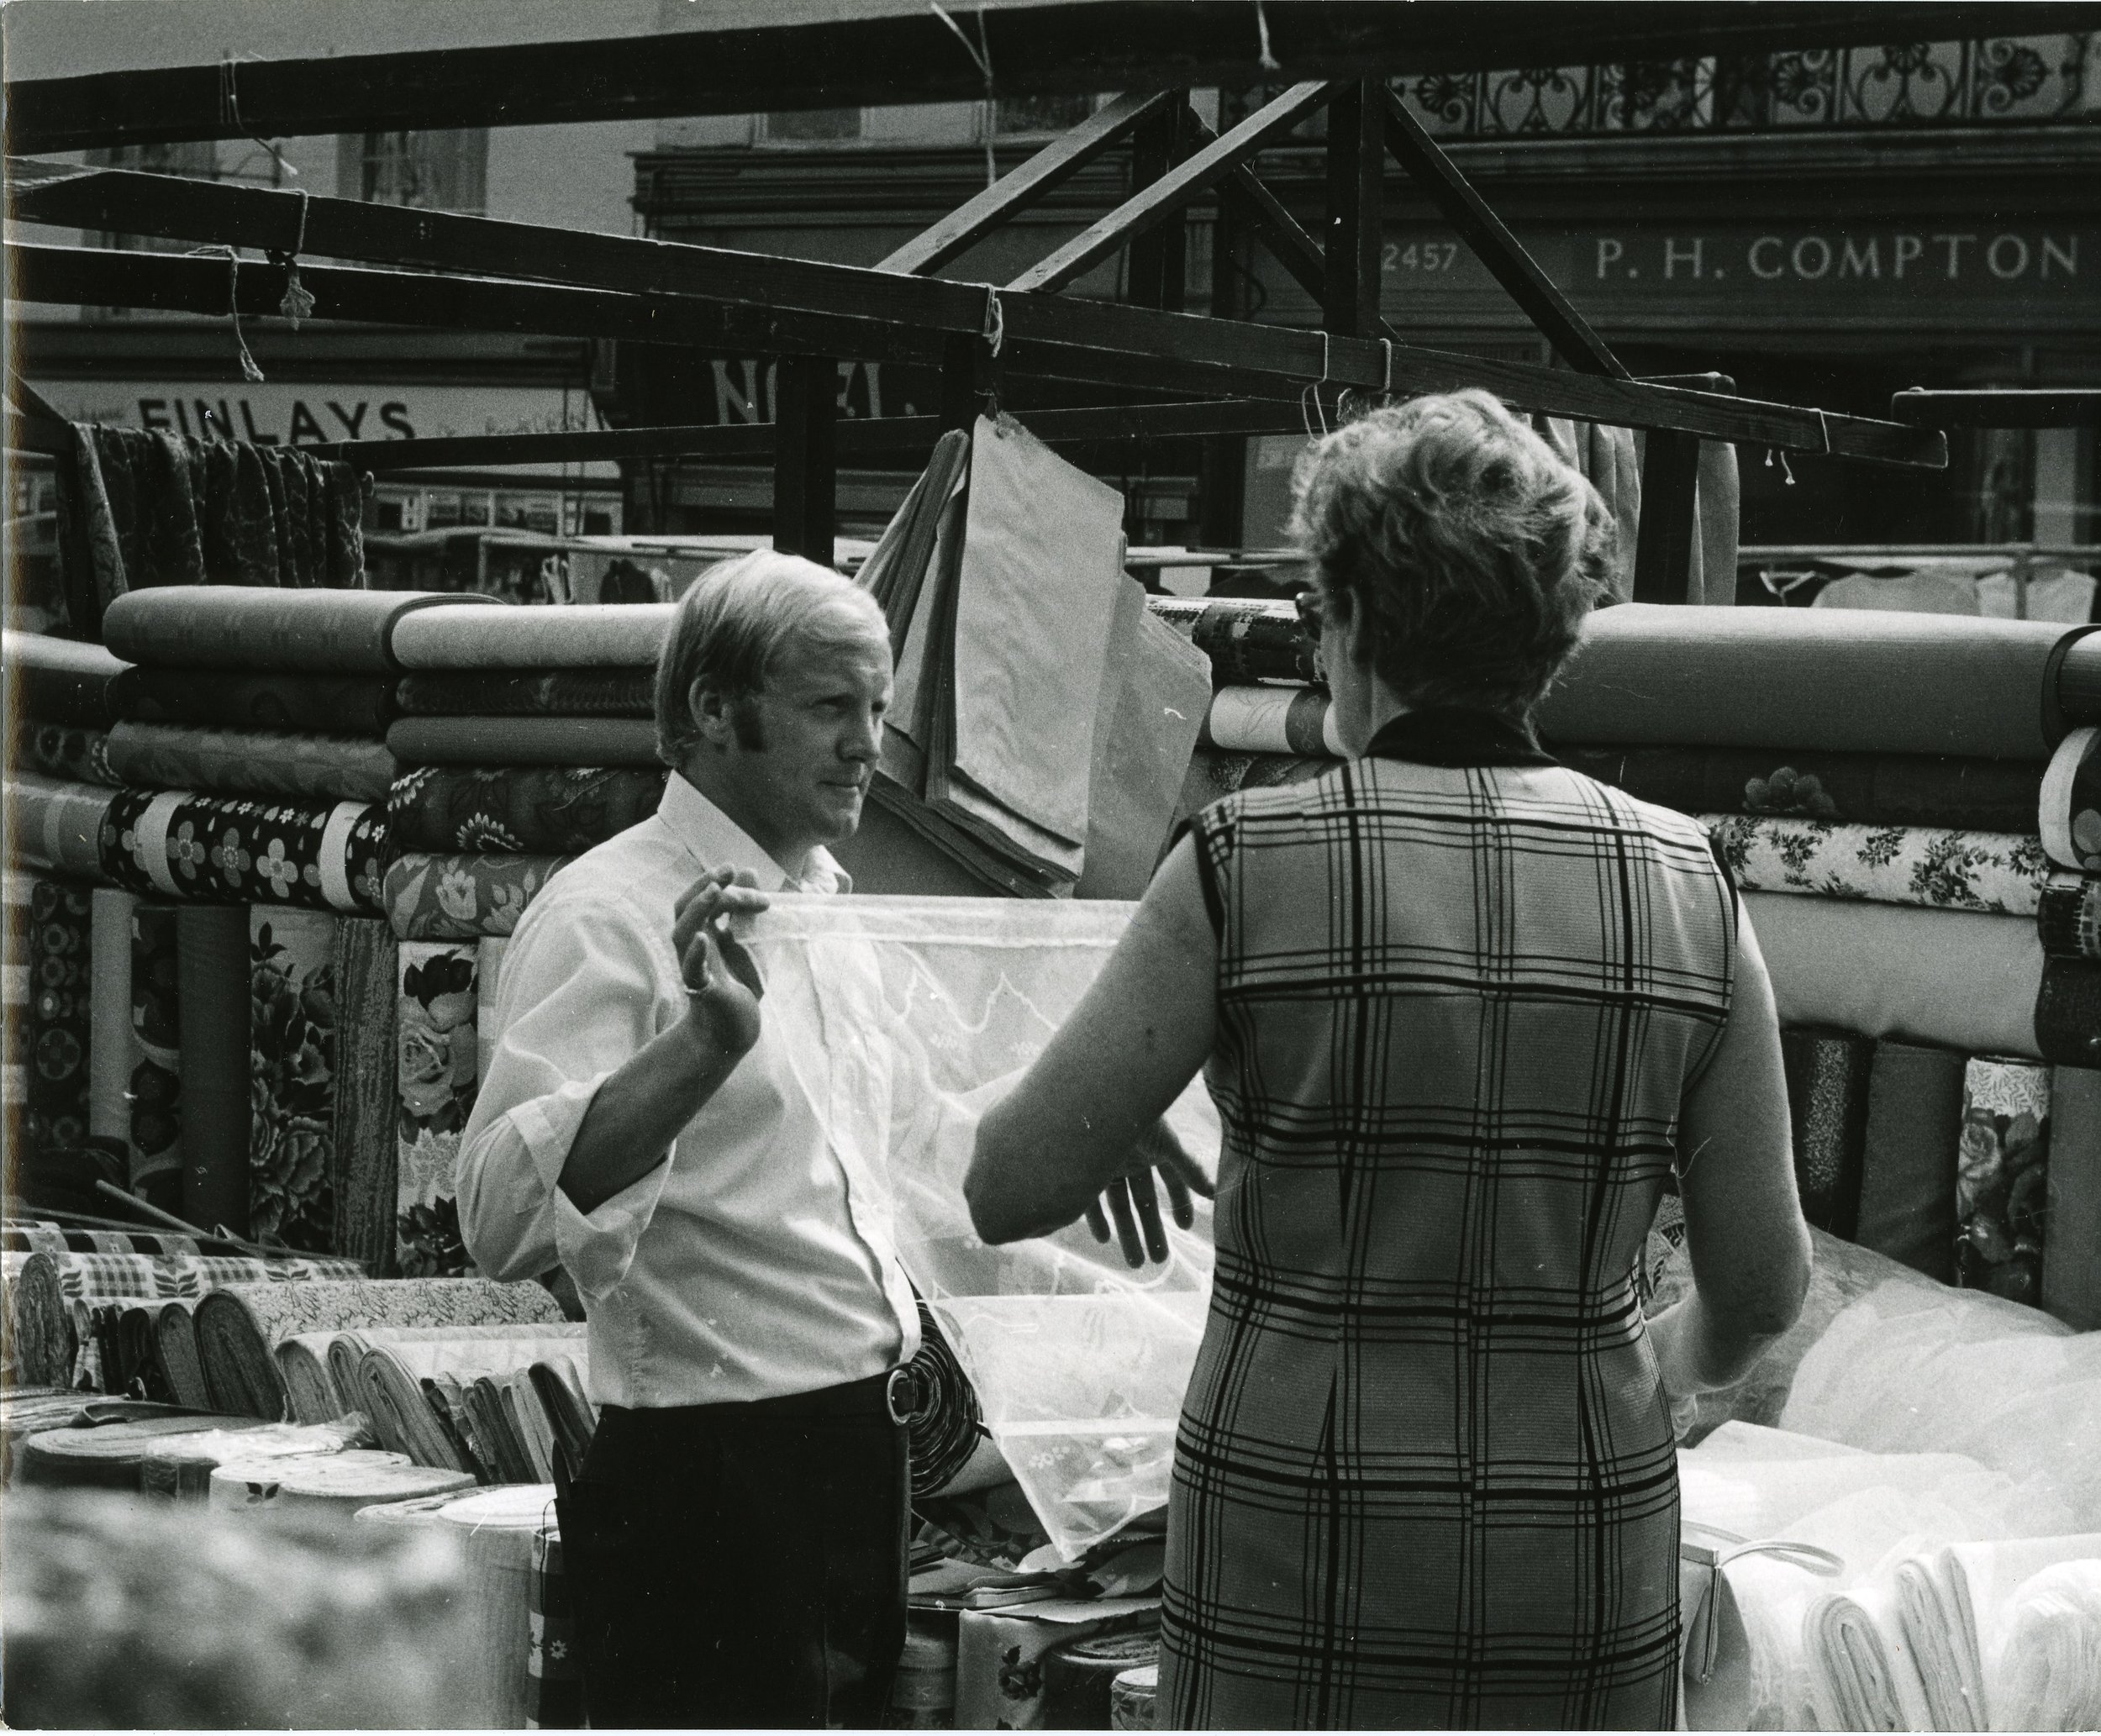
x=2021, y=81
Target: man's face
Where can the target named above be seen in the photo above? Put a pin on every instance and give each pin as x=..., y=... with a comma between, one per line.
x=807, y=744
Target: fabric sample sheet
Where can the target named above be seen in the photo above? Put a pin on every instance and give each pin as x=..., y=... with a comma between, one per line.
x=435, y=1039
x=1889, y=865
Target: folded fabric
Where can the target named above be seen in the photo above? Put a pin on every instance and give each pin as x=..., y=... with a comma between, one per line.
x=1836, y=680
x=239, y=1326
x=2002, y=1179
x=1914, y=1119
x=278, y=631
x=896, y=568
x=1958, y=979
x=177, y=844
x=554, y=810
x=2068, y=1013
x=532, y=693
x=1856, y=1637
x=236, y=762
x=308, y=704
x=1298, y=720
x=2069, y=802
x=2072, y=1275
x=463, y=898
x=68, y=753
x=1887, y=865
x=62, y=681
x=1864, y=789
x=57, y=827
x=2047, y=1676
x=1245, y=641
x=457, y=634
x=523, y=741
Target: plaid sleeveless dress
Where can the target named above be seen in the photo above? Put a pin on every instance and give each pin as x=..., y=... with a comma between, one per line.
x=1424, y=1475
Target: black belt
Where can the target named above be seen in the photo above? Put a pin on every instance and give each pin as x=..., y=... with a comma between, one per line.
x=888, y=1395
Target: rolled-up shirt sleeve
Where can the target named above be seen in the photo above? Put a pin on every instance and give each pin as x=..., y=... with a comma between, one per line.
x=576, y=1000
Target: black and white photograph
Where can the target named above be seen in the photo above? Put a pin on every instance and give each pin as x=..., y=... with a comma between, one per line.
x=1050, y=865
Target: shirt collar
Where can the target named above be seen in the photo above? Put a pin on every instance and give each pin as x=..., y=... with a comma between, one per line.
x=1457, y=735
x=717, y=841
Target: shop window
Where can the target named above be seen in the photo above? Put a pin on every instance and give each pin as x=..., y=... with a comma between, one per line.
x=1039, y=114
x=812, y=126
x=447, y=171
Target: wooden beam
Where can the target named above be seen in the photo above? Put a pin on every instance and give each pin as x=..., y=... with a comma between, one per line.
x=1663, y=547
x=896, y=50
x=1155, y=203
x=1355, y=232
x=805, y=458
x=1019, y=188
x=2044, y=407
x=1494, y=245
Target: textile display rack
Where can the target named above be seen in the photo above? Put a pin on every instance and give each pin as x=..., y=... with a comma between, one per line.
x=276, y=823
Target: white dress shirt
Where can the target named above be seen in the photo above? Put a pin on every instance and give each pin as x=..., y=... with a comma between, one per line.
x=758, y=1262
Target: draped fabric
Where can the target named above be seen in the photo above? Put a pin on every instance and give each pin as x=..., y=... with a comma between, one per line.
x=175, y=843
x=463, y=898
x=291, y=1048
x=436, y=1077
x=245, y=762
x=550, y=810
x=2000, y=872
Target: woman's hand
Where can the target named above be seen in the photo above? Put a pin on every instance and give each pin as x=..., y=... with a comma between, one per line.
x=1158, y=1148
x=723, y=990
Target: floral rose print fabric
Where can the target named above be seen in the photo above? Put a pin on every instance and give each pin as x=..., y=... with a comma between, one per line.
x=174, y=843
x=2001, y=1177
x=555, y=810
x=461, y=898
x=2000, y=872
x=435, y=1075
x=292, y=1055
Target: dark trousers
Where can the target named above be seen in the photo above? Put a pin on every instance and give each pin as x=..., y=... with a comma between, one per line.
x=741, y=1564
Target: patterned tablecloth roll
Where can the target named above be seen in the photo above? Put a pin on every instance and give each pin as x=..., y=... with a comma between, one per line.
x=553, y=810
x=68, y=754
x=243, y=762
x=1885, y=865
x=217, y=698
x=1245, y=641
x=529, y=693
x=463, y=898
x=57, y=826
x=1864, y=789
x=2071, y=801
x=594, y=635
x=2002, y=1190
x=247, y=628
x=523, y=741
x=1272, y=720
x=63, y=680
x=175, y=843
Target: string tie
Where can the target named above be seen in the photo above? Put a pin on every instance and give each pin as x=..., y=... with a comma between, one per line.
x=230, y=112
x=298, y=300
x=994, y=330
x=1270, y=63
x=251, y=371
x=981, y=53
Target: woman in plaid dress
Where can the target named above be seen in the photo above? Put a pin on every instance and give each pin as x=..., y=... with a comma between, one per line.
x=1463, y=1011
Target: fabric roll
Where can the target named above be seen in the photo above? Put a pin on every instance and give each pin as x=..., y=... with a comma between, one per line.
x=496, y=1531
x=455, y=635
x=177, y=844
x=2072, y=1274
x=61, y=979
x=1298, y=720
x=1914, y=1119
x=360, y=706
x=1996, y=871
x=40, y=1330
x=310, y=1388
x=245, y=627
x=216, y=1069
x=529, y=693
x=947, y=1423
x=2068, y=1013
x=175, y=1349
x=436, y=1077
x=154, y=1128
x=335, y=1483
x=2002, y=1177
x=1078, y=1678
x=239, y=1326
x=63, y=680
x=1837, y=681
x=292, y=1036
x=366, y=970
x=180, y=1468
x=393, y=1396
x=2078, y=689
x=2068, y=916
x=553, y=1684
x=109, y=1013
x=57, y=827
x=462, y=898
x=999, y=1658
x=2048, y=1677
x=1828, y=1075
x=109, y=1457
x=1243, y=641
x=1951, y=978
x=67, y=755
x=2069, y=803
x=567, y=1411
x=1857, y=1637
x=241, y=762
x=523, y=741
x=521, y=810
x=1133, y=1698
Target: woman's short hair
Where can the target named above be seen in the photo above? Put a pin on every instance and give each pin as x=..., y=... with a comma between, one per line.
x=1470, y=550
x=737, y=624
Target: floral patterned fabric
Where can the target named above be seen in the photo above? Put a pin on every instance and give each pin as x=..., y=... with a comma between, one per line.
x=156, y=1149
x=246, y=762
x=59, y=956
x=224, y=849
x=435, y=1076
x=557, y=810
x=1883, y=865
x=74, y=755
x=292, y=1055
x=2001, y=1177
x=463, y=898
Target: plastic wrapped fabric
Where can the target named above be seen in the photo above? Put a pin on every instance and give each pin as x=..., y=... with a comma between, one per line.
x=910, y=1016
x=2048, y=1677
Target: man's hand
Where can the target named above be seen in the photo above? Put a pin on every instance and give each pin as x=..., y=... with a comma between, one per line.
x=1157, y=1149
x=723, y=988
